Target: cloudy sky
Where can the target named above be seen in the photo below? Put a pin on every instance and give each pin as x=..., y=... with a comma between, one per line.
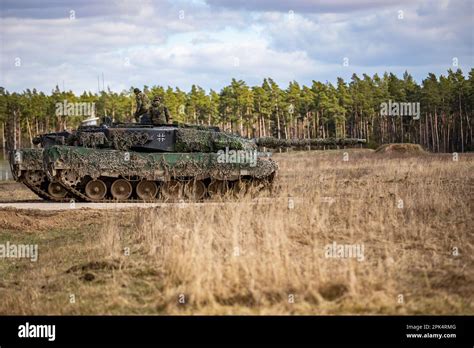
x=208, y=42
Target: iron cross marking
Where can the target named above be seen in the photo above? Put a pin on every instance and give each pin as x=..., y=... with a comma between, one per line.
x=160, y=137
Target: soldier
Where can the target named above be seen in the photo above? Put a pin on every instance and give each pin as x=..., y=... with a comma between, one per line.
x=143, y=104
x=159, y=113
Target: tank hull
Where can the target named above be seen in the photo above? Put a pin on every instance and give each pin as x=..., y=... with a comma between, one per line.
x=113, y=175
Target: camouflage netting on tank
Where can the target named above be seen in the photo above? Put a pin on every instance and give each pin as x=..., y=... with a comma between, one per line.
x=274, y=142
x=96, y=163
x=232, y=142
x=31, y=159
x=222, y=171
x=265, y=167
x=196, y=140
x=125, y=140
x=191, y=168
x=92, y=139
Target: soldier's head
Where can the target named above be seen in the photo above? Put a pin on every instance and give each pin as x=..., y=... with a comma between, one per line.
x=157, y=99
x=136, y=90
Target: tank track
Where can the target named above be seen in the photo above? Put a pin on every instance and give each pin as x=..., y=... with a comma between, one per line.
x=41, y=189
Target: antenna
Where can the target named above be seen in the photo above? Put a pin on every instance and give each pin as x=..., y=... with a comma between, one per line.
x=103, y=90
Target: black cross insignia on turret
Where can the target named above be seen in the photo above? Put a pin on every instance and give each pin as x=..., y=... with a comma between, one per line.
x=160, y=137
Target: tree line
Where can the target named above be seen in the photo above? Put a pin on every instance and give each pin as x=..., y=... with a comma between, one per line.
x=443, y=122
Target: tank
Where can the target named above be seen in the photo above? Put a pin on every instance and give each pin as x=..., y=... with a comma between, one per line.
x=137, y=162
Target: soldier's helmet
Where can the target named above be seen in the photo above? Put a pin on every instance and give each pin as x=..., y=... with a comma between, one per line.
x=136, y=90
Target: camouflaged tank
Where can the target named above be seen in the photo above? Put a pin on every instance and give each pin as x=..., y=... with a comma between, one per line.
x=137, y=162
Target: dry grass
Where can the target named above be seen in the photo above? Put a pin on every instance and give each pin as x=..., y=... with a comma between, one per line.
x=245, y=258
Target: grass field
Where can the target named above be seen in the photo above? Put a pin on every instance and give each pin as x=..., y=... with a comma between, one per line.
x=408, y=219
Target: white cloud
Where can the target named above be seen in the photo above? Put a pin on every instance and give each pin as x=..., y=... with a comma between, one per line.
x=146, y=42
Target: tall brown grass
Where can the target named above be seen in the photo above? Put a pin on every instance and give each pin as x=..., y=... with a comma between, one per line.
x=243, y=256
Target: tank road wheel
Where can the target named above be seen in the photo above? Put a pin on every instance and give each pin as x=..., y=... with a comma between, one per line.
x=147, y=190
x=70, y=177
x=172, y=189
x=217, y=188
x=195, y=190
x=35, y=177
x=121, y=189
x=56, y=190
x=96, y=190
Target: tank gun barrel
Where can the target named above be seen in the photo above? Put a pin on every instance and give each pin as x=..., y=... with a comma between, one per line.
x=272, y=142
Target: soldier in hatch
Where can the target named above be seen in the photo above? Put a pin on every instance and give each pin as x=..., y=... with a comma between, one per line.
x=159, y=113
x=143, y=104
